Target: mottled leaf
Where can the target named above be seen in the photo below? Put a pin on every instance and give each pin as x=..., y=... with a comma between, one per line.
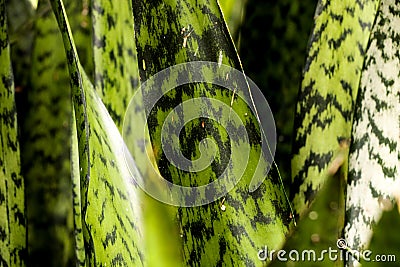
x=230, y=230
x=80, y=19
x=76, y=191
x=374, y=153
x=325, y=107
x=12, y=195
x=116, y=78
x=111, y=217
x=116, y=68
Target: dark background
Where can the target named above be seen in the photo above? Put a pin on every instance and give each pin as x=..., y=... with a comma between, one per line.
x=272, y=42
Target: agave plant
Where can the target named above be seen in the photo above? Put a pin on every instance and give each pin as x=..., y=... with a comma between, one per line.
x=70, y=193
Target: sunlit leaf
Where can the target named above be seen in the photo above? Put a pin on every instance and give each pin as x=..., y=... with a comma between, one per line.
x=375, y=152
x=233, y=228
x=111, y=215
x=233, y=11
x=325, y=107
x=116, y=78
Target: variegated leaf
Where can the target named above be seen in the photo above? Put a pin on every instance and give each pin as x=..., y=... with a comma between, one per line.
x=116, y=67
x=374, y=156
x=111, y=215
x=325, y=106
x=232, y=229
x=12, y=196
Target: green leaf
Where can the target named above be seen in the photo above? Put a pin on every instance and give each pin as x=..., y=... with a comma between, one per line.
x=375, y=151
x=116, y=77
x=111, y=217
x=324, y=111
x=116, y=69
x=12, y=202
x=76, y=191
x=162, y=234
x=232, y=229
x=234, y=16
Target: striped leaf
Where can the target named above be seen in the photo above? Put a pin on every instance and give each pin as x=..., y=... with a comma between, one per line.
x=116, y=78
x=324, y=111
x=374, y=156
x=111, y=218
x=232, y=229
x=80, y=252
x=116, y=68
x=12, y=203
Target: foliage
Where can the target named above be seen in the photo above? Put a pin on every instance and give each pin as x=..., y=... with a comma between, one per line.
x=374, y=154
x=74, y=79
x=46, y=164
x=346, y=77
x=12, y=204
x=324, y=111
